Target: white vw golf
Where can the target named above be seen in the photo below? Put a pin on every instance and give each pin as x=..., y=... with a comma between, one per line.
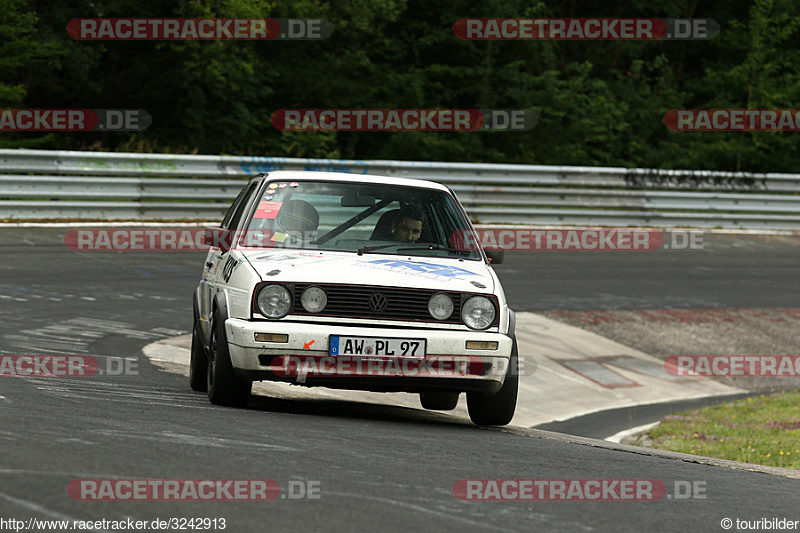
x=353, y=282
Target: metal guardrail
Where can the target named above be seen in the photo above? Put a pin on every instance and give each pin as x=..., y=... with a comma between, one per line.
x=38, y=184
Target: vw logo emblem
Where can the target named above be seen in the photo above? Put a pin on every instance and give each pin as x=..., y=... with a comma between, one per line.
x=377, y=303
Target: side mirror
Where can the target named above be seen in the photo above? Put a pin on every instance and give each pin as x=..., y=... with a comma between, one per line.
x=495, y=256
x=217, y=238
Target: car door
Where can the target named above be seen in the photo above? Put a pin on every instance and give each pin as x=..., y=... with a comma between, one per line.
x=216, y=257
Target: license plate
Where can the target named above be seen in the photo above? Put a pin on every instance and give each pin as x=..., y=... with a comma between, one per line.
x=376, y=346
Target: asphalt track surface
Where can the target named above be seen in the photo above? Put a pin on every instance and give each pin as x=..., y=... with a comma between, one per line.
x=730, y=271
x=603, y=424
x=377, y=467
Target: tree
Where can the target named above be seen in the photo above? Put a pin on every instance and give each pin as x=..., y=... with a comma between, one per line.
x=21, y=46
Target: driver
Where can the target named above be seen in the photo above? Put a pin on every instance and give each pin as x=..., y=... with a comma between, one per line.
x=407, y=225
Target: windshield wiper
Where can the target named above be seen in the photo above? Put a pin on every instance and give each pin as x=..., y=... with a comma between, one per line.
x=365, y=249
x=433, y=247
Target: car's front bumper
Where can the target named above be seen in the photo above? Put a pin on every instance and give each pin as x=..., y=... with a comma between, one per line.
x=305, y=358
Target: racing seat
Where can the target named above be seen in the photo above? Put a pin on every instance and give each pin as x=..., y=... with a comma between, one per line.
x=298, y=218
x=383, y=229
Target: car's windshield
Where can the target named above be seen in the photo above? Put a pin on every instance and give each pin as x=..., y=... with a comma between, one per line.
x=358, y=217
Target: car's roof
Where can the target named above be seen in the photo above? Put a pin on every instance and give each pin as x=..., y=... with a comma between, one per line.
x=345, y=177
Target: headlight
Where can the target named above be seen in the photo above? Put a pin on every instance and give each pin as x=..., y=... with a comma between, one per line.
x=440, y=306
x=478, y=312
x=274, y=301
x=313, y=299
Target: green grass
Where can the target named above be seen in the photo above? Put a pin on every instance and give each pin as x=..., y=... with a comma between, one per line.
x=764, y=430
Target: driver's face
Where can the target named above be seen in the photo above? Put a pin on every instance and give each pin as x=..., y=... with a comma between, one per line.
x=407, y=229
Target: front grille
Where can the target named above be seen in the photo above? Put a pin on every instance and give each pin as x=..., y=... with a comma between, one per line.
x=354, y=301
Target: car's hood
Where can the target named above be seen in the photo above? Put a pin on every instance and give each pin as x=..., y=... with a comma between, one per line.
x=311, y=266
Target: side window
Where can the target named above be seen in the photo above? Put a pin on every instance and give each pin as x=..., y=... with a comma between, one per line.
x=234, y=206
x=238, y=209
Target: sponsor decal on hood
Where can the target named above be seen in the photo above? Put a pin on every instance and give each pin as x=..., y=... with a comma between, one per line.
x=380, y=270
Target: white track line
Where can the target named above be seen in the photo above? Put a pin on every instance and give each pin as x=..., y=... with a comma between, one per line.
x=617, y=437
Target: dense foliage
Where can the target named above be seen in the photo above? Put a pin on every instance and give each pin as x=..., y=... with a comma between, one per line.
x=599, y=103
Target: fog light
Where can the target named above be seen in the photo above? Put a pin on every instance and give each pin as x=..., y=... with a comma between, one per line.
x=440, y=306
x=272, y=337
x=314, y=299
x=481, y=345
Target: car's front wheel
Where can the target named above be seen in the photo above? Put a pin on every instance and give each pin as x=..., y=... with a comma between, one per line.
x=224, y=386
x=497, y=409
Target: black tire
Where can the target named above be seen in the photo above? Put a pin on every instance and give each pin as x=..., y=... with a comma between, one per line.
x=439, y=401
x=497, y=409
x=224, y=386
x=198, y=363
